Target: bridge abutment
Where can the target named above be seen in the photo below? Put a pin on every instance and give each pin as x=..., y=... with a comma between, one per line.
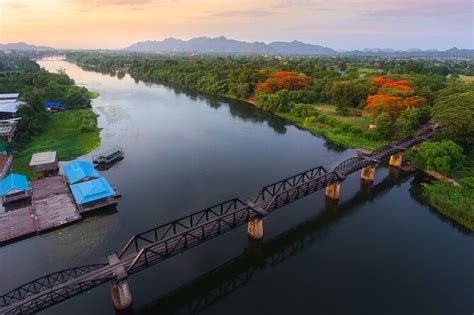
x=255, y=228
x=333, y=191
x=368, y=173
x=119, y=288
x=396, y=160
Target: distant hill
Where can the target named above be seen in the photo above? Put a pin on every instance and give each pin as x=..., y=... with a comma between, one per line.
x=222, y=45
x=23, y=46
x=450, y=53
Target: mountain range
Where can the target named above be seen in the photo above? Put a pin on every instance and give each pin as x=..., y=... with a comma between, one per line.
x=224, y=46
x=23, y=46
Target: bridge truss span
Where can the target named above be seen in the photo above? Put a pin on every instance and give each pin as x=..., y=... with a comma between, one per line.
x=46, y=282
x=175, y=227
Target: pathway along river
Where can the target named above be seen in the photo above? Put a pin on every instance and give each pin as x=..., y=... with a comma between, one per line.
x=381, y=251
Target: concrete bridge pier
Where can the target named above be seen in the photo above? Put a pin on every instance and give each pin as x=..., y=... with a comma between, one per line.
x=333, y=191
x=368, y=173
x=119, y=288
x=396, y=160
x=255, y=228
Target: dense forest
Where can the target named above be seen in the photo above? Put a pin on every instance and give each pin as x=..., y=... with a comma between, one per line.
x=359, y=102
x=20, y=75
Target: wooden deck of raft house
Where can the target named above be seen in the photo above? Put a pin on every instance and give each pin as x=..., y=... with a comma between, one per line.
x=17, y=223
x=95, y=205
x=52, y=203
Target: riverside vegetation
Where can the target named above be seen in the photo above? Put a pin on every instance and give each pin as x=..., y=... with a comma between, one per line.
x=340, y=98
x=71, y=133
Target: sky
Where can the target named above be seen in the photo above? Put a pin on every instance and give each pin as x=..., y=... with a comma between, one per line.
x=339, y=24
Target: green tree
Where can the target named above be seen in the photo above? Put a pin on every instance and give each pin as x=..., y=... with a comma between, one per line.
x=455, y=113
x=444, y=156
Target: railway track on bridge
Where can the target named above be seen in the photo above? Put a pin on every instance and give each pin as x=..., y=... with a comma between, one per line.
x=163, y=242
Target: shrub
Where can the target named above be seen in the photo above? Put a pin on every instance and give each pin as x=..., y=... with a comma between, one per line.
x=443, y=157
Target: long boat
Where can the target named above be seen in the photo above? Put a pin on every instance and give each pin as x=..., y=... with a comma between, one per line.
x=108, y=156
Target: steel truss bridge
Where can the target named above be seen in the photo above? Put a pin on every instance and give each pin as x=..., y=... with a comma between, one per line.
x=168, y=240
x=227, y=278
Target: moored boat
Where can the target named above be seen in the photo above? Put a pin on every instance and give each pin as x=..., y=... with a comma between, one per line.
x=108, y=156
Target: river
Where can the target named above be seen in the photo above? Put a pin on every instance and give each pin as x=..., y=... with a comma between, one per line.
x=379, y=251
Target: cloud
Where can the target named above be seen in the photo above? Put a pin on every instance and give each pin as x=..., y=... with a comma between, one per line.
x=242, y=13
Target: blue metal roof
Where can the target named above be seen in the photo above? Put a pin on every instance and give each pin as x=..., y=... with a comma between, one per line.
x=79, y=170
x=13, y=182
x=92, y=190
x=53, y=104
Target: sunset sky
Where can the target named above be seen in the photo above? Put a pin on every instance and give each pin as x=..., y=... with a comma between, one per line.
x=340, y=24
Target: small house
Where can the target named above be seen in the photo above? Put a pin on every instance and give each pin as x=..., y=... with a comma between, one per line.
x=14, y=187
x=9, y=96
x=44, y=162
x=9, y=108
x=93, y=194
x=53, y=106
x=80, y=171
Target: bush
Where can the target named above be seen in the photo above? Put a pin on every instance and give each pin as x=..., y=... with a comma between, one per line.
x=303, y=110
x=443, y=157
x=308, y=121
x=87, y=121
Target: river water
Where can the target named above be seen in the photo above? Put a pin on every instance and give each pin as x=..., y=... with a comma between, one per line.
x=380, y=250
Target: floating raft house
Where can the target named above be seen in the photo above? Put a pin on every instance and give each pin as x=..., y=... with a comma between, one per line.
x=80, y=171
x=14, y=187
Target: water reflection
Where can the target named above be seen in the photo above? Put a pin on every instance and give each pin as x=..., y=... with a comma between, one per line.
x=222, y=281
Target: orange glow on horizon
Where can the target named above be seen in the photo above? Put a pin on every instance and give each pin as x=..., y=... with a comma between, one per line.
x=119, y=23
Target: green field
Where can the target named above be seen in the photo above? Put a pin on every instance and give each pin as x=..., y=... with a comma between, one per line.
x=71, y=133
x=355, y=118
x=467, y=78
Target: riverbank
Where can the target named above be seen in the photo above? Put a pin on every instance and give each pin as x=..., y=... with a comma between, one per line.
x=453, y=202
x=70, y=133
x=453, y=196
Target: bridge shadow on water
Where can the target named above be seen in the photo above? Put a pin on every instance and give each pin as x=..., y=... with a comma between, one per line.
x=204, y=291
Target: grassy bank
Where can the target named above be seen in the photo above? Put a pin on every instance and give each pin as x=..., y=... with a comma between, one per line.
x=457, y=203
x=71, y=133
x=93, y=94
x=349, y=137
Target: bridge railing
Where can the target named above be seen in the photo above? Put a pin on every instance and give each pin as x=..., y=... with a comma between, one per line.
x=270, y=191
x=161, y=232
x=192, y=237
x=45, y=282
x=43, y=301
x=302, y=190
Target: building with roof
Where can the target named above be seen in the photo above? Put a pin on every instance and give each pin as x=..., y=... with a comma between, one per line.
x=44, y=162
x=9, y=104
x=14, y=187
x=9, y=108
x=80, y=171
x=9, y=96
x=93, y=194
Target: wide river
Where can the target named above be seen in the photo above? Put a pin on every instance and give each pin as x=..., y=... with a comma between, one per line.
x=379, y=251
